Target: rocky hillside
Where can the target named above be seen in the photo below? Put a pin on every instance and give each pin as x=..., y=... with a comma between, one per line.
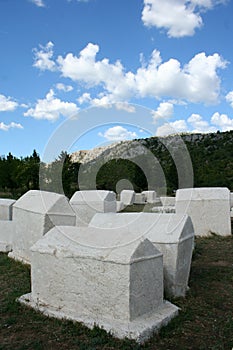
x=211, y=158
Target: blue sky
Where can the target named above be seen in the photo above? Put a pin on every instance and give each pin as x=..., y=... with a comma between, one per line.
x=61, y=58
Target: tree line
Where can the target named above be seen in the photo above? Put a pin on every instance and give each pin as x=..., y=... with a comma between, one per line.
x=211, y=156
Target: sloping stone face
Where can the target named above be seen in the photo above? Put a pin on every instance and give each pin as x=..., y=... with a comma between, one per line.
x=127, y=197
x=34, y=214
x=87, y=203
x=171, y=234
x=6, y=208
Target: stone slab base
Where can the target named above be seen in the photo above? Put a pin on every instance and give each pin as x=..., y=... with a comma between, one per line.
x=140, y=329
x=5, y=247
x=17, y=257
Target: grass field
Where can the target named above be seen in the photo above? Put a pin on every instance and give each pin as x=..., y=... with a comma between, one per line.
x=205, y=320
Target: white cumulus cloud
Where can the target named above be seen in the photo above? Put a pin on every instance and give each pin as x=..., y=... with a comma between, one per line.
x=12, y=125
x=229, y=98
x=7, y=104
x=178, y=17
x=197, y=81
x=199, y=125
x=51, y=108
x=175, y=127
x=222, y=121
x=164, y=111
x=39, y=3
x=43, y=57
x=118, y=133
x=63, y=87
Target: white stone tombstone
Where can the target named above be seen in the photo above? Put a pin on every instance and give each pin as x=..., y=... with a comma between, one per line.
x=168, y=201
x=127, y=197
x=6, y=208
x=164, y=209
x=87, y=203
x=112, y=281
x=172, y=234
x=151, y=196
x=7, y=228
x=231, y=199
x=34, y=214
x=120, y=206
x=209, y=209
x=140, y=198
x=7, y=232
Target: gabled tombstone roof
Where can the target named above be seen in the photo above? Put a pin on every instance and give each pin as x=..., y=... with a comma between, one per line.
x=92, y=196
x=44, y=203
x=120, y=247
x=159, y=228
x=6, y=202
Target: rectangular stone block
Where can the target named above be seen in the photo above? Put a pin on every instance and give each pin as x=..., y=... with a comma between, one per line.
x=7, y=232
x=209, y=209
x=168, y=201
x=127, y=197
x=34, y=214
x=140, y=198
x=172, y=234
x=6, y=208
x=120, y=206
x=112, y=281
x=87, y=203
x=151, y=196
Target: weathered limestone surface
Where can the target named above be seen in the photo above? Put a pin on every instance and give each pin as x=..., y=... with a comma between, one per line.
x=140, y=198
x=151, y=196
x=120, y=206
x=209, y=209
x=112, y=280
x=231, y=199
x=7, y=232
x=168, y=201
x=34, y=214
x=164, y=209
x=6, y=225
x=6, y=208
x=127, y=197
x=87, y=203
x=172, y=234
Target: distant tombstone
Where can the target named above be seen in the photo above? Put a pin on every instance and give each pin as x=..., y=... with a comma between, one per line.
x=168, y=201
x=34, y=214
x=151, y=196
x=209, y=209
x=140, y=198
x=7, y=232
x=127, y=197
x=164, y=209
x=94, y=277
x=6, y=208
x=120, y=206
x=172, y=234
x=87, y=203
